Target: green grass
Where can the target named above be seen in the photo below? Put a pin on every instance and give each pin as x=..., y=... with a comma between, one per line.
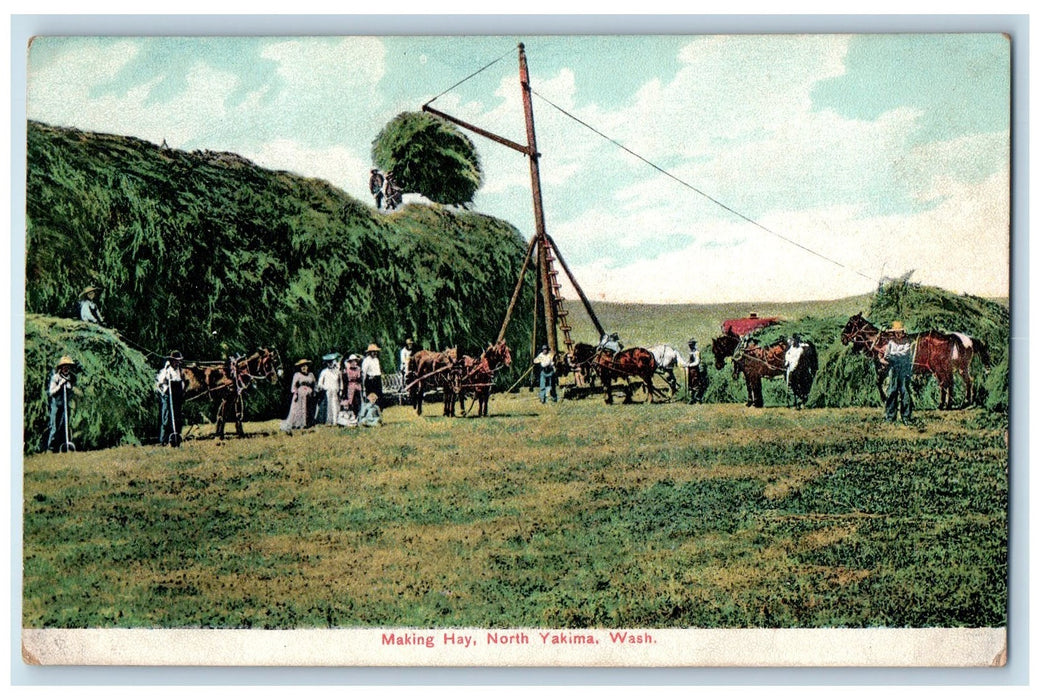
x=569, y=515
x=674, y=324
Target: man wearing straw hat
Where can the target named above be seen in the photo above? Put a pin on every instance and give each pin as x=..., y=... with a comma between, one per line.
x=169, y=385
x=88, y=309
x=62, y=382
x=899, y=357
x=371, y=373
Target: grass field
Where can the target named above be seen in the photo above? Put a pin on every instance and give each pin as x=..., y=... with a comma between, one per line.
x=649, y=324
x=569, y=515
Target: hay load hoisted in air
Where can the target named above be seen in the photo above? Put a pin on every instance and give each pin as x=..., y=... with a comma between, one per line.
x=636, y=365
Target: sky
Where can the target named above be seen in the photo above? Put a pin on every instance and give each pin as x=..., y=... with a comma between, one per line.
x=758, y=167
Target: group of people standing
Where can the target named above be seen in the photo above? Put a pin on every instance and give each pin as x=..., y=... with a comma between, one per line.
x=346, y=392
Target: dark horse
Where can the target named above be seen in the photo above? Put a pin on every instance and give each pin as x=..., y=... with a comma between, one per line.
x=756, y=362
x=941, y=354
x=724, y=346
x=631, y=362
x=580, y=361
x=227, y=381
x=429, y=370
x=476, y=376
x=800, y=377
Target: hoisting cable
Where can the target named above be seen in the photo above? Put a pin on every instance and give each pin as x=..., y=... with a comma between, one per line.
x=471, y=75
x=700, y=192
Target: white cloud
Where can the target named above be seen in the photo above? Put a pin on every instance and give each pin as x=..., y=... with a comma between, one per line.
x=762, y=267
x=312, y=64
x=338, y=165
x=58, y=91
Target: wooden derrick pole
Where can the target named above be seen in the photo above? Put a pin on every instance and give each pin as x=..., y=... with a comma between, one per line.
x=542, y=247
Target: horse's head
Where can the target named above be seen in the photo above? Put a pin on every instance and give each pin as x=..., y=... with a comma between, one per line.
x=498, y=354
x=852, y=328
x=265, y=364
x=723, y=347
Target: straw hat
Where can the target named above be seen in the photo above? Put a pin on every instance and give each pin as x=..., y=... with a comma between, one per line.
x=372, y=397
x=373, y=348
x=330, y=357
x=896, y=326
x=300, y=363
x=175, y=355
x=65, y=361
x=88, y=290
x=353, y=358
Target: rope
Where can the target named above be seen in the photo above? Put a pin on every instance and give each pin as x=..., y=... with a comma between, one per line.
x=529, y=370
x=701, y=192
x=471, y=75
x=131, y=343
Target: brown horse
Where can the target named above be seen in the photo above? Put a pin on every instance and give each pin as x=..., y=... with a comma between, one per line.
x=227, y=381
x=632, y=362
x=937, y=353
x=429, y=370
x=581, y=362
x=723, y=347
x=755, y=362
x=476, y=376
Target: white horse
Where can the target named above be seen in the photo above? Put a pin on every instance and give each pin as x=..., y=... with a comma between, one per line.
x=668, y=358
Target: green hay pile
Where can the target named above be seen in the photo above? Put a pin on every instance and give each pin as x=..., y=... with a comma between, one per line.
x=819, y=331
x=196, y=250
x=848, y=379
x=113, y=384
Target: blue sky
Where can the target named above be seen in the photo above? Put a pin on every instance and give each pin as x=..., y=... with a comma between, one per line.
x=879, y=153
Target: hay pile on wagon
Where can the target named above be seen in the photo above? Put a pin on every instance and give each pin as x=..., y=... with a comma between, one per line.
x=848, y=379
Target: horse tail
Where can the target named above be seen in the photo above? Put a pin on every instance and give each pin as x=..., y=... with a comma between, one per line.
x=983, y=350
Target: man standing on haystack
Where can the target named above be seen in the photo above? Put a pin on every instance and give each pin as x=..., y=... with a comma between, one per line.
x=899, y=357
x=375, y=186
x=88, y=309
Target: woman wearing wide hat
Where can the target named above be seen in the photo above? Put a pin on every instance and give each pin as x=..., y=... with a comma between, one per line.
x=352, y=386
x=303, y=383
